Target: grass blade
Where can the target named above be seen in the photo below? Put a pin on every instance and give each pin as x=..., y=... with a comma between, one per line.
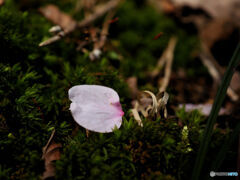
x=214, y=113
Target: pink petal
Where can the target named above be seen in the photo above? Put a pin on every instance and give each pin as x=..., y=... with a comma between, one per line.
x=96, y=108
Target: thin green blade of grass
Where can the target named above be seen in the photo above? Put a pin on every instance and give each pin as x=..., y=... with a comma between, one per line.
x=214, y=113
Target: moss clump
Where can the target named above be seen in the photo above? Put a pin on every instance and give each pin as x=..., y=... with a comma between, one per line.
x=129, y=153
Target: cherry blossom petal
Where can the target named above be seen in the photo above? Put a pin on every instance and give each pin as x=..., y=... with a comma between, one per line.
x=96, y=108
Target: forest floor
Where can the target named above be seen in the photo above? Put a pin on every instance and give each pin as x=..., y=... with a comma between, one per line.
x=167, y=48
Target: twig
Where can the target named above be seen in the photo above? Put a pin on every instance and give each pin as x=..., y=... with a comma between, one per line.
x=52, y=39
x=88, y=7
x=100, y=11
x=82, y=44
x=169, y=53
x=104, y=32
x=51, y=153
x=55, y=15
x=211, y=68
x=160, y=64
x=215, y=70
x=48, y=143
x=99, y=42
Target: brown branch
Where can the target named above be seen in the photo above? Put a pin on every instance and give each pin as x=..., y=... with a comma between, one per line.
x=51, y=153
x=169, y=54
x=48, y=143
x=215, y=70
x=52, y=39
x=104, y=32
x=160, y=64
x=55, y=15
x=99, y=11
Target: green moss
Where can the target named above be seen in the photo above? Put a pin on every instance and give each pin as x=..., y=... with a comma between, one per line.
x=129, y=153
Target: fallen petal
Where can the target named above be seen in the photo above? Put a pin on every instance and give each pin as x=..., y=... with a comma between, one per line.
x=205, y=109
x=96, y=108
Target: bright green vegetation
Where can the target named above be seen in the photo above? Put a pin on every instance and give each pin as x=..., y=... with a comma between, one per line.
x=34, y=85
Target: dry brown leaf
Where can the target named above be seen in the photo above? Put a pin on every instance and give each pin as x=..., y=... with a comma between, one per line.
x=215, y=30
x=163, y=5
x=154, y=107
x=215, y=19
x=137, y=117
x=99, y=11
x=51, y=153
x=2, y=2
x=226, y=9
x=52, y=13
x=150, y=106
x=216, y=71
x=235, y=82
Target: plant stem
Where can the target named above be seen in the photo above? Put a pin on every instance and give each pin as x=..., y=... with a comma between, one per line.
x=214, y=113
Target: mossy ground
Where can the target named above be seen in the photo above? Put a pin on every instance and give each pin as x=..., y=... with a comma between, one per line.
x=34, y=85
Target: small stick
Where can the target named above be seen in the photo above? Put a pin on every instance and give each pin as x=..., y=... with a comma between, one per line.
x=215, y=70
x=48, y=143
x=52, y=39
x=100, y=11
x=104, y=32
x=169, y=59
x=160, y=64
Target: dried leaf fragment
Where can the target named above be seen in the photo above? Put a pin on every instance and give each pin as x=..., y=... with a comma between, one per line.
x=154, y=107
x=52, y=13
x=217, y=9
x=137, y=117
x=150, y=107
x=235, y=82
x=2, y=2
x=51, y=153
x=69, y=25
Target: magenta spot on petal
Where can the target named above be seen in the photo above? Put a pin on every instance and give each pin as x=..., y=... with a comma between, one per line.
x=121, y=113
x=119, y=108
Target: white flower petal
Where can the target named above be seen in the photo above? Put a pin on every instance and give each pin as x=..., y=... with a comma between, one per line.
x=96, y=108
